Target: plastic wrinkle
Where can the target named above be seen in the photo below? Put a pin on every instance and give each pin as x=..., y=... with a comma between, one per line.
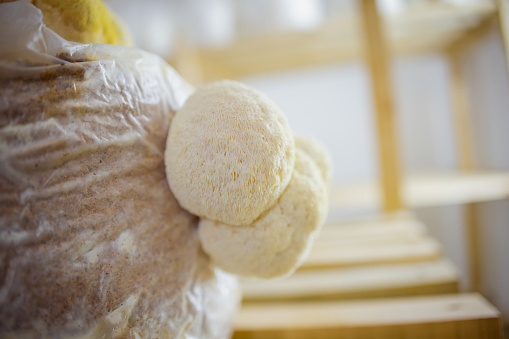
x=93, y=244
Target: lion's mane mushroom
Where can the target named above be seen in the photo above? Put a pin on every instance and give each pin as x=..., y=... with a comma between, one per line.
x=231, y=153
x=318, y=153
x=276, y=243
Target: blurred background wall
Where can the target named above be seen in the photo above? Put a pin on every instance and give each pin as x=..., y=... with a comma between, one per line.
x=333, y=102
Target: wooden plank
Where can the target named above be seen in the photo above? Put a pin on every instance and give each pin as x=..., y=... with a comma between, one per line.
x=461, y=113
x=372, y=232
x=465, y=150
x=287, y=50
x=472, y=35
x=449, y=316
x=433, y=277
x=187, y=62
x=426, y=190
x=395, y=238
x=431, y=27
x=472, y=235
x=340, y=256
x=377, y=56
x=457, y=188
x=503, y=14
x=438, y=24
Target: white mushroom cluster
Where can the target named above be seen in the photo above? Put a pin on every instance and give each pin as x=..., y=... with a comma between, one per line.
x=230, y=153
x=260, y=192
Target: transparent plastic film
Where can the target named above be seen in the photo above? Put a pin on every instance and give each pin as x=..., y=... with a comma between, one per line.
x=92, y=242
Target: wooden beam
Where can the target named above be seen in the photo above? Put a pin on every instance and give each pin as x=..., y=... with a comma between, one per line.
x=472, y=234
x=461, y=113
x=427, y=28
x=503, y=14
x=426, y=190
x=449, y=316
x=365, y=233
x=332, y=255
x=378, y=63
x=383, y=281
x=472, y=35
x=466, y=160
x=186, y=62
x=333, y=42
x=397, y=239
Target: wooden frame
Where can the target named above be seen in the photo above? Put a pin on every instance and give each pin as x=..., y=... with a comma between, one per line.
x=449, y=316
x=503, y=15
x=435, y=27
x=377, y=56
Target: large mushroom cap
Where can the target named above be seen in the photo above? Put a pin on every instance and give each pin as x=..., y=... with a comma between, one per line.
x=276, y=243
x=230, y=153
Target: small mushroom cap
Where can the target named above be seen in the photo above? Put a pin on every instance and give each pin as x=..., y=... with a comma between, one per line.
x=276, y=243
x=230, y=153
x=318, y=153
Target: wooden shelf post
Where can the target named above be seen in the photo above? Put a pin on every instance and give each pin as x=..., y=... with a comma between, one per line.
x=461, y=116
x=503, y=14
x=378, y=63
x=466, y=161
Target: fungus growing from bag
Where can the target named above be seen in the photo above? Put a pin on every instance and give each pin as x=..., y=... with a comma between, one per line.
x=230, y=153
x=276, y=243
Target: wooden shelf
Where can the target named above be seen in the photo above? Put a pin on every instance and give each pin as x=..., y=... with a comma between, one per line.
x=335, y=255
x=370, y=260
x=425, y=190
x=387, y=229
x=396, y=239
x=429, y=27
x=353, y=313
x=390, y=255
x=425, y=278
x=448, y=316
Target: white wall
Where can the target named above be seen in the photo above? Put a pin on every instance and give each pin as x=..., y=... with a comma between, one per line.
x=334, y=105
x=329, y=103
x=423, y=113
